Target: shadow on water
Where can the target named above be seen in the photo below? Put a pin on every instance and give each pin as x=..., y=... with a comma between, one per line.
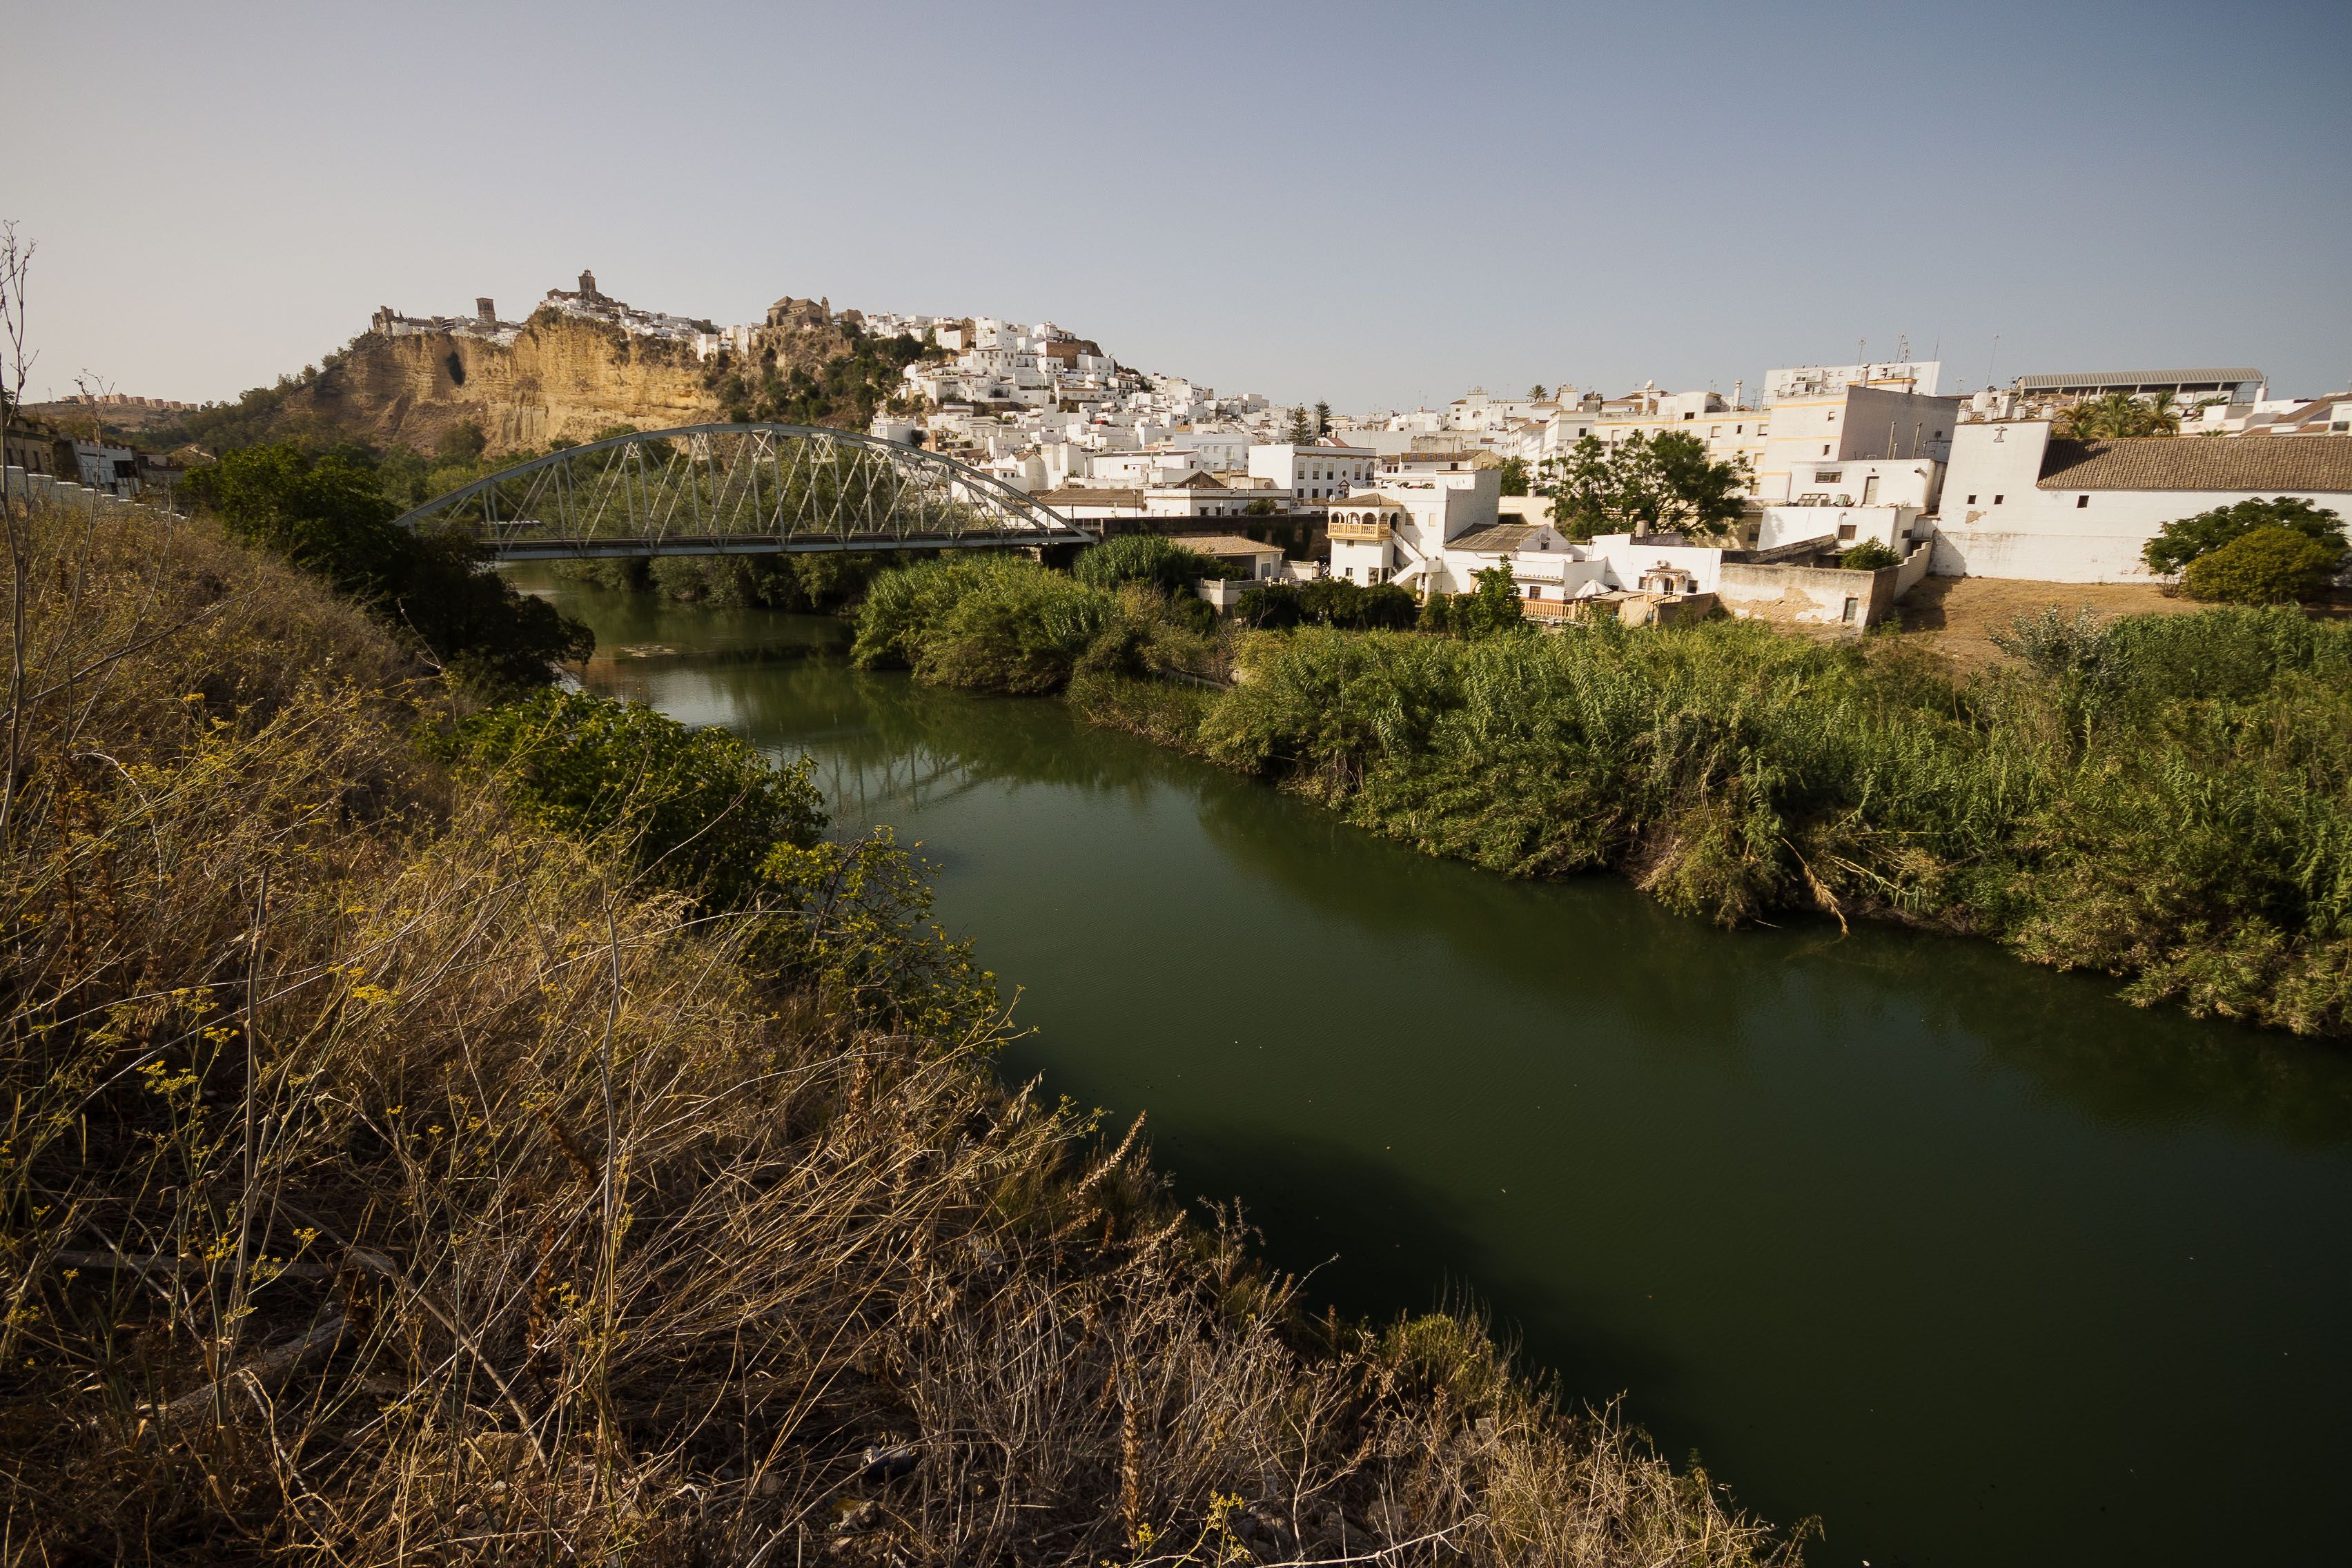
x=1372, y=1243
x=2068, y=1032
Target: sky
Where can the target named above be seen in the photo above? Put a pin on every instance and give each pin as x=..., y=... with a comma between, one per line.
x=1376, y=205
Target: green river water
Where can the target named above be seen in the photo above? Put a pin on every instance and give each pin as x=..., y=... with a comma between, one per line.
x=1966, y=1258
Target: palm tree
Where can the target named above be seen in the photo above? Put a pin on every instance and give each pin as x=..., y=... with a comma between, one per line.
x=2117, y=415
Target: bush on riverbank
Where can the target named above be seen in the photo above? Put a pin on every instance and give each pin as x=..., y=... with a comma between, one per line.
x=2174, y=806
x=409, y=1161
x=2167, y=799
x=1005, y=624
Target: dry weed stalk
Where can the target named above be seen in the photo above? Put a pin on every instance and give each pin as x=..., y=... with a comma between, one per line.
x=385, y=1181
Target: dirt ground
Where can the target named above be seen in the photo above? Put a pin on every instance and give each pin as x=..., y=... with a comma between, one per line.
x=1958, y=615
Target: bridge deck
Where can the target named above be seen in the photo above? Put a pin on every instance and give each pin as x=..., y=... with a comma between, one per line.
x=611, y=548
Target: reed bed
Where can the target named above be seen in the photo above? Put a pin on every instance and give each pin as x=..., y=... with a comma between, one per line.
x=390, y=1176
x=2166, y=799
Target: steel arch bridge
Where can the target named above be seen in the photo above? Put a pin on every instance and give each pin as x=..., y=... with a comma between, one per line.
x=721, y=490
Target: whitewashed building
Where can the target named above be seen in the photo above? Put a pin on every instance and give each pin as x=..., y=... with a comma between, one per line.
x=1313, y=471
x=2019, y=502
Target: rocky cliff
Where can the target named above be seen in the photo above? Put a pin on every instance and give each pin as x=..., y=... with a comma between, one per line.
x=563, y=376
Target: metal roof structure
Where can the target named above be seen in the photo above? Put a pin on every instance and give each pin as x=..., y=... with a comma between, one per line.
x=2091, y=382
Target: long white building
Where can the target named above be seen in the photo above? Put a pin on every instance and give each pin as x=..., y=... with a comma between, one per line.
x=2019, y=501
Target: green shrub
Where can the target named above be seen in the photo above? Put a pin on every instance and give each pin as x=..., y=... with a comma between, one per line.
x=984, y=622
x=2266, y=565
x=1491, y=607
x=1869, y=555
x=1149, y=558
x=698, y=810
x=2184, y=539
x=1335, y=602
x=1272, y=607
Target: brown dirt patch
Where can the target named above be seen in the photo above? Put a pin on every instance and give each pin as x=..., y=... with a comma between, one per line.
x=1958, y=615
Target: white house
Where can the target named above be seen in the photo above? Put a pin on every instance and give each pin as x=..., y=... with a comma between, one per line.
x=1200, y=495
x=1850, y=425
x=2018, y=502
x=1544, y=566
x=1315, y=470
x=1398, y=532
x=1094, y=505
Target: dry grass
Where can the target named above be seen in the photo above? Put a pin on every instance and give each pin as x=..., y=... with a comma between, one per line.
x=385, y=1182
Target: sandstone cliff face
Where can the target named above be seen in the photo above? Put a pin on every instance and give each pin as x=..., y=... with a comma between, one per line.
x=563, y=376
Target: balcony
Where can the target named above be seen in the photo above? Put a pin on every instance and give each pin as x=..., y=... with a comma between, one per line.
x=1360, y=531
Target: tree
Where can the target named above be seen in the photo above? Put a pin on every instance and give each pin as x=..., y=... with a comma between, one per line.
x=328, y=514
x=1335, y=602
x=1491, y=605
x=2119, y=415
x=2266, y=565
x=462, y=443
x=1514, y=473
x=1322, y=418
x=1147, y=558
x=1536, y=392
x=1302, y=428
x=1645, y=484
x=2185, y=538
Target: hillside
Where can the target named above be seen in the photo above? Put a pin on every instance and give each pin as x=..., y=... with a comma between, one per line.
x=564, y=377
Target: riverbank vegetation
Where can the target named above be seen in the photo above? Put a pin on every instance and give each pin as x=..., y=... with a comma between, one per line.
x=2166, y=799
x=518, y=1133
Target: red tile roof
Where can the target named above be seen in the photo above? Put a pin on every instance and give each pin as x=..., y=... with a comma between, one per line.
x=2312, y=463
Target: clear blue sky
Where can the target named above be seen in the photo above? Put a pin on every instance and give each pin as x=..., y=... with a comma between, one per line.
x=1371, y=204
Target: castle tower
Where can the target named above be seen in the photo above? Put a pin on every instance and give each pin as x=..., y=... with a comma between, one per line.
x=588, y=283
x=486, y=311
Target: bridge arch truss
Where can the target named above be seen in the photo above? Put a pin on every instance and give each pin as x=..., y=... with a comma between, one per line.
x=715, y=490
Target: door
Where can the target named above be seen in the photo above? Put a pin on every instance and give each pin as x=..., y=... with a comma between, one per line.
x=1870, y=489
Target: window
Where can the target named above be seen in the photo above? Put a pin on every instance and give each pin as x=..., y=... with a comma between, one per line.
x=1690, y=415
x=1972, y=499
x=2081, y=501
x=1826, y=451
x=1996, y=501
x=1846, y=534
x=1852, y=605
x=1828, y=475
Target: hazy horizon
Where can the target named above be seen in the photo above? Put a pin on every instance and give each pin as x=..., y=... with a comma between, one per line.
x=1374, y=205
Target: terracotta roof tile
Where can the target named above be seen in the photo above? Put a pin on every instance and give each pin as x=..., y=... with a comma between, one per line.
x=2317, y=463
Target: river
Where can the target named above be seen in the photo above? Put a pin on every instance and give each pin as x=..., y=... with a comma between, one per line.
x=1969, y=1260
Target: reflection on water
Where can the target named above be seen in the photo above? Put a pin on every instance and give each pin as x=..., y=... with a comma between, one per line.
x=1968, y=1258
